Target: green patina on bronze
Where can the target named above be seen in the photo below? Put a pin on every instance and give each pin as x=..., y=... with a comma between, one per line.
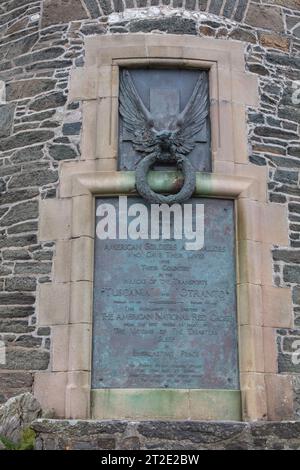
x=168, y=182
x=223, y=405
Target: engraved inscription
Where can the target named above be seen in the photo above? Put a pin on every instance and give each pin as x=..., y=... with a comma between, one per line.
x=165, y=317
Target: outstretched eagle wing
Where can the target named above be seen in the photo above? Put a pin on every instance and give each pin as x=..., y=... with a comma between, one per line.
x=137, y=119
x=192, y=119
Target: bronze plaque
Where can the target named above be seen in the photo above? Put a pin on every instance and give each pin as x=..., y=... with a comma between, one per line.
x=164, y=316
x=163, y=94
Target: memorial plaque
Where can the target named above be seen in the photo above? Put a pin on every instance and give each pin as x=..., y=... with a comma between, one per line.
x=165, y=316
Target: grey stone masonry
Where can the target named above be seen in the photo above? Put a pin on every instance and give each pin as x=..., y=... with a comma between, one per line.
x=40, y=41
x=165, y=435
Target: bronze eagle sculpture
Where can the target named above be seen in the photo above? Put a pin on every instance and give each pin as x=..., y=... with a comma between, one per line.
x=179, y=137
x=170, y=144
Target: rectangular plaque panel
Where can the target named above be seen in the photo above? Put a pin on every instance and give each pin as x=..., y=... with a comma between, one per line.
x=165, y=317
x=165, y=93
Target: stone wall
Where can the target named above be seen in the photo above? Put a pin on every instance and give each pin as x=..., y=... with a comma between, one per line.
x=165, y=435
x=40, y=41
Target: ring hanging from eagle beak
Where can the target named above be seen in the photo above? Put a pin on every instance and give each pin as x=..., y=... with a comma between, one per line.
x=147, y=193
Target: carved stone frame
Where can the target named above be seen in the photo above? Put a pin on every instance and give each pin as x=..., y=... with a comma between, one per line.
x=65, y=304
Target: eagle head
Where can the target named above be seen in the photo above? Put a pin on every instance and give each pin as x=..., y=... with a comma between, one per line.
x=164, y=138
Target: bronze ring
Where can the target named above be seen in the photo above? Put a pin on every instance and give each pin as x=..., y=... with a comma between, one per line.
x=143, y=188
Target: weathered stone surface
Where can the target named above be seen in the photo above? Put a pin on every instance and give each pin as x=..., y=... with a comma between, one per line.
x=72, y=128
x=190, y=4
x=118, y=29
x=293, y=24
x=10, y=197
x=295, y=228
x=62, y=11
x=45, y=65
x=27, y=88
x=14, y=383
x=106, y=6
x=62, y=152
x=274, y=41
x=292, y=191
x=130, y=443
x=17, y=414
x=28, y=341
x=79, y=428
x=283, y=60
x=20, y=284
x=287, y=96
x=243, y=35
x=7, y=112
x=53, y=100
x=296, y=295
x=288, y=256
x=215, y=7
x=15, y=326
x=26, y=359
x=28, y=154
x=93, y=8
x=16, y=299
x=17, y=26
x=194, y=431
x=266, y=17
x=276, y=133
x=43, y=331
x=278, y=198
x=90, y=29
x=181, y=435
x=240, y=10
x=3, y=210
x=228, y=8
x=284, y=161
x=22, y=139
x=16, y=241
x=43, y=255
x=21, y=212
x=33, y=267
x=288, y=341
x=289, y=112
x=293, y=4
x=294, y=151
x=39, y=56
x=285, y=364
x=5, y=270
x=294, y=207
x=207, y=31
x=291, y=274
x=15, y=255
x=23, y=227
x=259, y=69
x=37, y=117
x=33, y=178
x=290, y=177
x=102, y=444
x=18, y=48
x=173, y=25
x=15, y=312
x=268, y=149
